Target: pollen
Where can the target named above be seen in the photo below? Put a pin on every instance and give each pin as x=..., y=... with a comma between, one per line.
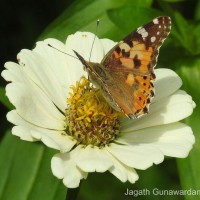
x=89, y=118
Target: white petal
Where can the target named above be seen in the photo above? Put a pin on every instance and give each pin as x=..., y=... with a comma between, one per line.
x=167, y=82
x=174, y=139
x=39, y=70
x=164, y=111
x=13, y=72
x=140, y=149
x=31, y=102
x=121, y=171
x=137, y=156
x=63, y=167
x=62, y=67
x=56, y=60
x=82, y=43
x=91, y=159
x=22, y=132
x=107, y=45
x=26, y=131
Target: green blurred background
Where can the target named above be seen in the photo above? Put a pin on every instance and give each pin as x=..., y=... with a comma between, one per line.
x=25, y=167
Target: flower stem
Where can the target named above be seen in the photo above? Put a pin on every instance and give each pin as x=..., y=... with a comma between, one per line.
x=72, y=193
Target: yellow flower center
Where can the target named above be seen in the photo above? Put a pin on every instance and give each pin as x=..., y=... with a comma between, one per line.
x=89, y=118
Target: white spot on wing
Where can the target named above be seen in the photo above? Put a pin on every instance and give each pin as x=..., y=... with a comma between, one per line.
x=155, y=21
x=143, y=32
x=153, y=39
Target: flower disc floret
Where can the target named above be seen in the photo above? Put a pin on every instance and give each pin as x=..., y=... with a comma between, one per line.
x=89, y=118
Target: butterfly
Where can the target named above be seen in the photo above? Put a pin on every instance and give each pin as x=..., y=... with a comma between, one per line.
x=126, y=73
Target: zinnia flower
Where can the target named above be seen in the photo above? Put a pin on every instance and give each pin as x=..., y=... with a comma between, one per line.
x=54, y=103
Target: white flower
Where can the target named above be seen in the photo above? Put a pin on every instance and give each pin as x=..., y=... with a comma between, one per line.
x=39, y=88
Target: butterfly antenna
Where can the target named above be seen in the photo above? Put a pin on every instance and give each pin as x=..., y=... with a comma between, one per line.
x=94, y=38
x=62, y=51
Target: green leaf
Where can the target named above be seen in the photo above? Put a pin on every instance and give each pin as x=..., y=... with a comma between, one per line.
x=128, y=20
x=82, y=15
x=4, y=100
x=26, y=171
x=196, y=36
x=197, y=11
x=189, y=168
x=181, y=30
x=157, y=176
x=173, y=1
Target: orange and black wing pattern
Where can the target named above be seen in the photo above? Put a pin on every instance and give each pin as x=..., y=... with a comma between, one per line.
x=131, y=65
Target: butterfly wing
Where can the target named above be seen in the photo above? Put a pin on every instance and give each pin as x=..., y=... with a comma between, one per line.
x=132, y=99
x=139, y=50
x=130, y=65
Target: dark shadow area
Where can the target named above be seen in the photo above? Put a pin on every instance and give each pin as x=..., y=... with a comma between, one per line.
x=21, y=24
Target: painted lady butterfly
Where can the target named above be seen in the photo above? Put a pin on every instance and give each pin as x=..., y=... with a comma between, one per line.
x=126, y=73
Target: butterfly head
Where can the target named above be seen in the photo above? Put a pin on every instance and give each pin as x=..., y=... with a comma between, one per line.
x=82, y=60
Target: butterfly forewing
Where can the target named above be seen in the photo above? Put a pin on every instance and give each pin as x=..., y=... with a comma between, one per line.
x=139, y=50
